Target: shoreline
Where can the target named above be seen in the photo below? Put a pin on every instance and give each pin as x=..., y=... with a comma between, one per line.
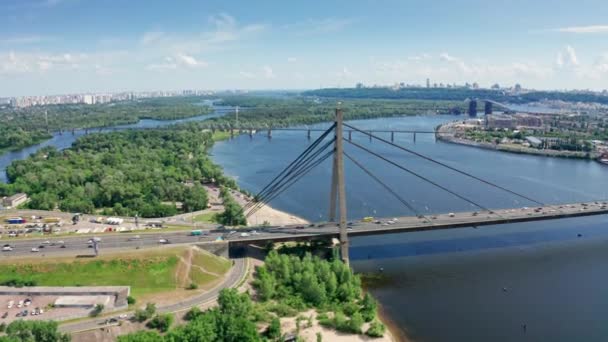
x=393, y=332
x=444, y=136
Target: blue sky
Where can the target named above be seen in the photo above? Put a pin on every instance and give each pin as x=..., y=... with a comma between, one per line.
x=74, y=46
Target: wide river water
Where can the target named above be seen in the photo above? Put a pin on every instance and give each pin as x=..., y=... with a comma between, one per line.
x=455, y=285
x=465, y=284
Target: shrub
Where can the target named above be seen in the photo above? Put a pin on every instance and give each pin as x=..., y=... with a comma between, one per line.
x=193, y=314
x=283, y=310
x=97, y=310
x=131, y=300
x=161, y=322
x=192, y=286
x=142, y=315
x=2, y=327
x=273, y=331
x=376, y=329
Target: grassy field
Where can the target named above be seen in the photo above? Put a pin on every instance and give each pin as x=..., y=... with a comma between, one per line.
x=147, y=272
x=205, y=218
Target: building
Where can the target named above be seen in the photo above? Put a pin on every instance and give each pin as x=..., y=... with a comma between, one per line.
x=534, y=141
x=428, y=82
x=500, y=121
x=14, y=200
x=528, y=120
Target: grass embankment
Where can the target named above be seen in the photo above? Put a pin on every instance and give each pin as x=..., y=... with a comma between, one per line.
x=206, y=218
x=147, y=272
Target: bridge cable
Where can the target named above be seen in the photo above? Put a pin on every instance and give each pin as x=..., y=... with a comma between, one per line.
x=388, y=188
x=417, y=175
x=292, y=181
x=262, y=195
x=286, y=178
x=281, y=187
x=296, y=161
x=445, y=165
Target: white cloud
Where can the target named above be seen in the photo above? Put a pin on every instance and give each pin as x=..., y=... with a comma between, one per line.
x=318, y=26
x=18, y=63
x=567, y=58
x=446, y=57
x=584, y=29
x=151, y=37
x=190, y=61
x=292, y=59
x=268, y=72
x=247, y=74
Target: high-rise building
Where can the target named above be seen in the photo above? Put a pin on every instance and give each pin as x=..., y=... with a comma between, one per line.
x=428, y=82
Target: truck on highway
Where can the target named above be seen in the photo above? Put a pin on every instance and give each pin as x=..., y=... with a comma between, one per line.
x=199, y=232
x=15, y=220
x=367, y=219
x=48, y=220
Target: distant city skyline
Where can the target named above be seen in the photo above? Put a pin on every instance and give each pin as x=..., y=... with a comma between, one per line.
x=51, y=47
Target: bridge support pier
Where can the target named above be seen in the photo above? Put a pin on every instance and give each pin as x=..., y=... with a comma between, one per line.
x=250, y=134
x=370, y=136
x=350, y=135
x=338, y=187
x=308, y=135
x=269, y=134
x=414, y=137
x=392, y=136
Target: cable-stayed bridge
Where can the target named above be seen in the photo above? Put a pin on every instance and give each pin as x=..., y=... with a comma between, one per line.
x=330, y=144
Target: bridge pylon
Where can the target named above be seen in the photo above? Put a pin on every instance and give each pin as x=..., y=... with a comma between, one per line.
x=338, y=189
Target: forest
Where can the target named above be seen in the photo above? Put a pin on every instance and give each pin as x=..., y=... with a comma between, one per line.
x=455, y=94
x=285, y=286
x=27, y=126
x=126, y=173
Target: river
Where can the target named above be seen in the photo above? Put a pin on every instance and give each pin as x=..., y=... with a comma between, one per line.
x=455, y=285
x=465, y=284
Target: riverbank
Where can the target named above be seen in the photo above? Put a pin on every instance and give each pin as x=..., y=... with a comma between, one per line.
x=446, y=133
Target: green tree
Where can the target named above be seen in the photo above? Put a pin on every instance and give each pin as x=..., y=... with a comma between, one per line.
x=161, y=322
x=273, y=331
x=35, y=331
x=141, y=336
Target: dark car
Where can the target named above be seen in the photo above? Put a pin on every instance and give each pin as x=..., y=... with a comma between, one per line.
x=5, y=315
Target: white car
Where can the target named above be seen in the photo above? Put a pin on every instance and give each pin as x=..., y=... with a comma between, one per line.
x=20, y=304
x=7, y=248
x=244, y=234
x=163, y=241
x=10, y=303
x=35, y=250
x=451, y=214
x=47, y=242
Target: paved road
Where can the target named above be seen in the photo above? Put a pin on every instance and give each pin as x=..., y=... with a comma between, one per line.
x=77, y=245
x=233, y=279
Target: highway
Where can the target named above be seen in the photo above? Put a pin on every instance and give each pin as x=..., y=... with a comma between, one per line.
x=77, y=245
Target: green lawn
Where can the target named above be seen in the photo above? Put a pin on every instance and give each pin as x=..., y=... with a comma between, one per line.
x=205, y=218
x=147, y=272
x=212, y=263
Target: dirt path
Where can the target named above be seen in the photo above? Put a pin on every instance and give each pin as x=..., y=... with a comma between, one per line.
x=205, y=271
x=184, y=280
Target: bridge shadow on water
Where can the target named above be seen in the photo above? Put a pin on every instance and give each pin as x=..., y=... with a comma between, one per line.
x=508, y=236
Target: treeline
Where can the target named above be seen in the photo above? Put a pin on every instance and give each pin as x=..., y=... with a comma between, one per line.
x=32, y=331
x=127, y=173
x=13, y=137
x=69, y=116
x=455, y=94
x=285, y=285
x=233, y=213
x=264, y=112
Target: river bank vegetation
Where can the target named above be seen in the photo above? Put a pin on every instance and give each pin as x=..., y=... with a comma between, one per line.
x=24, y=127
x=286, y=286
x=267, y=112
x=150, y=173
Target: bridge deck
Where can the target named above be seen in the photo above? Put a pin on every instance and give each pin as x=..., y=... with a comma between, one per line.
x=435, y=222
